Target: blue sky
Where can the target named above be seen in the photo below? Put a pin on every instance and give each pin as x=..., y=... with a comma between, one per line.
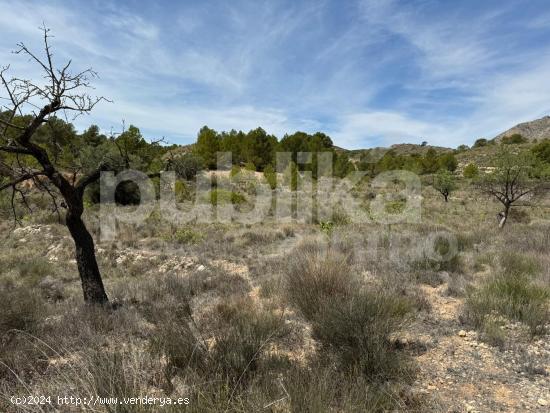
x=367, y=72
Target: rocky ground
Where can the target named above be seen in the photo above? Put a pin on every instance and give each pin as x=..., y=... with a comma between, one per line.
x=456, y=370
x=460, y=373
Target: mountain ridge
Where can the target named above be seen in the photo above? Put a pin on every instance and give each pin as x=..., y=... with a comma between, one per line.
x=531, y=130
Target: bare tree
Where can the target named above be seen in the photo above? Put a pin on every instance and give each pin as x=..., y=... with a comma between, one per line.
x=63, y=93
x=512, y=179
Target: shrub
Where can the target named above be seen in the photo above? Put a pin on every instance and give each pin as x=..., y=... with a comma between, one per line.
x=315, y=276
x=492, y=333
x=186, y=236
x=480, y=143
x=442, y=258
x=448, y=162
x=242, y=339
x=21, y=314
x=351, y=323
x=322, y=389
x=182, y=191
x=396, y=206
x=356, y=328
x=177, y=342
x=186, y=166
x=270, y=176
x=511, y=294
x=127, y=193
x=222, y=196
x=471, y=171
x=20, y=309
x=514, y=139
x=542, y=150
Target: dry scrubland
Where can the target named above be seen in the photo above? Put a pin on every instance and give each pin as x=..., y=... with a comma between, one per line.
x=286, y=317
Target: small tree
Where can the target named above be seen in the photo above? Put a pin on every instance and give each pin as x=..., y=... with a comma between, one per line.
x=270, y=176
x=471, y=171
x=448, y=162
x=512, y=179
x=63, y=93
x=444, y=183
x=207, y=146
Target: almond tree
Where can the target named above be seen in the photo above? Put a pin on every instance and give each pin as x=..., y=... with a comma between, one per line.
x=512, y=179
x=444, y=183
x=63, y=92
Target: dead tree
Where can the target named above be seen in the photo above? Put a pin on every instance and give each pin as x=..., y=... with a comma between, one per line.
x=63, y=93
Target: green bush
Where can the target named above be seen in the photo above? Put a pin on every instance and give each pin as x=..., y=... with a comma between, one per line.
x=270, y=176
x=182, y=191
x=471, y=171
x=480, y=143
x=186, y=236
x=448, y=162
x=326, y=226
x=222, y=196
x=514, y=139
x=542, y=151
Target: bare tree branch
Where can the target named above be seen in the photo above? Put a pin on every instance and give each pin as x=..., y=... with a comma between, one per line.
x=22, y=178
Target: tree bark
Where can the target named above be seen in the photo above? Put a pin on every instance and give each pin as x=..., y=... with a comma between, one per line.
x=504, y=216
x=92, y=285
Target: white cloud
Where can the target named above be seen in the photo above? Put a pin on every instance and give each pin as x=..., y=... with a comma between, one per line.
x=379, y=128
x=289, y=68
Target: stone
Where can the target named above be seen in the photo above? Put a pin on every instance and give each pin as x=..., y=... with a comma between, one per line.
x=462, y=333
x=542, y=402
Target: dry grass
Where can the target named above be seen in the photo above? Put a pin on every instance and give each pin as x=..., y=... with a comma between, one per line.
x=239, y=317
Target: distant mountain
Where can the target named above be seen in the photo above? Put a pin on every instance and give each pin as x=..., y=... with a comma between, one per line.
x=536, y=129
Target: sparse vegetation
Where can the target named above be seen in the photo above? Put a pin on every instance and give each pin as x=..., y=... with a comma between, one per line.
x=471, y=171
x=313, y=310
x=512, y=293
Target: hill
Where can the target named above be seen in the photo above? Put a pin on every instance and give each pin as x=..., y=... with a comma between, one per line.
x=537, y=129
x=398, y=149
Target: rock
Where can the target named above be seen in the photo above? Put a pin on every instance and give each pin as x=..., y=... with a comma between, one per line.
x=462, y=333
x=542, y=402
x=201, y=268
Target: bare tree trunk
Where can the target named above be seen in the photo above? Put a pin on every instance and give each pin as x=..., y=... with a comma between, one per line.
x=92, y=285
x=446, y=197
x=504, y=216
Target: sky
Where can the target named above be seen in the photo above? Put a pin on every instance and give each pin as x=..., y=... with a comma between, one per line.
x=366, y=72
